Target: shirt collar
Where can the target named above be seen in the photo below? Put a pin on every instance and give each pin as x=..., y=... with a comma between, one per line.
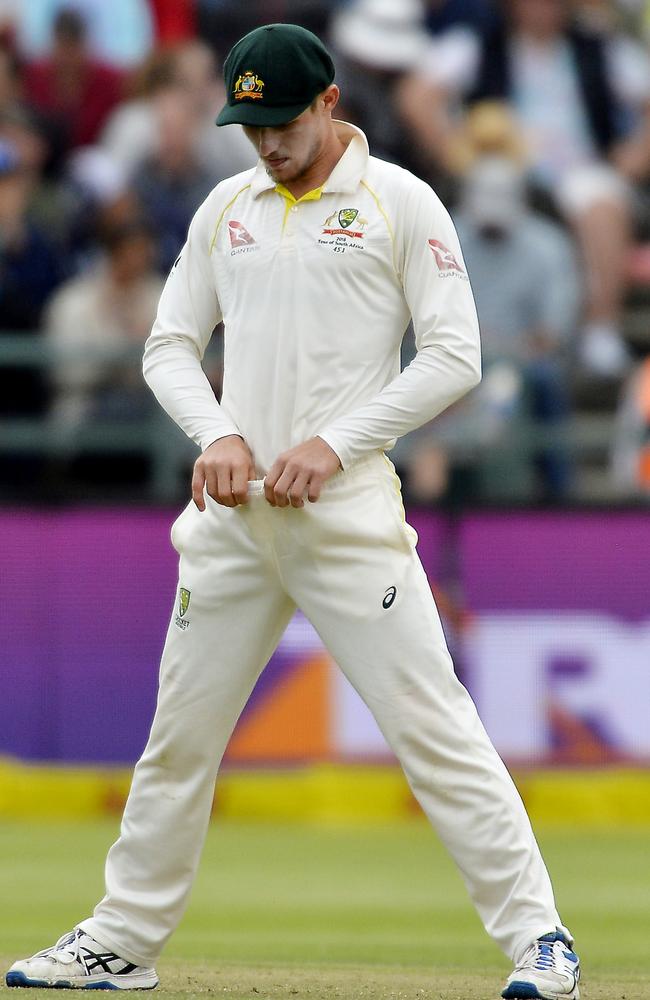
x=347, y=173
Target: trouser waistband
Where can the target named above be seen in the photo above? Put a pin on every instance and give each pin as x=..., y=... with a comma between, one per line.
x=375, y=460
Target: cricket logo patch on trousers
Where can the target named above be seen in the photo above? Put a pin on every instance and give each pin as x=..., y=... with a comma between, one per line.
x=183, y=604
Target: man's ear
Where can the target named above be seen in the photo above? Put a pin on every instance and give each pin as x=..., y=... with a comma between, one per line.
x=330, y=97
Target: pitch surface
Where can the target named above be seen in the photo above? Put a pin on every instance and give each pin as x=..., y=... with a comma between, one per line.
x=365, y=913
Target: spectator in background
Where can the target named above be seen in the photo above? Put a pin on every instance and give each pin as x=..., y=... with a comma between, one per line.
x=29, y=265
x=100, y=199
x=223, y=151
x=120, y=33
x=10, y=81
x=560, y=84
x=94, y=320
x=441, y=15
x=376, y=42
x=51, y=206
x=222, y=22
x=175, y=20
x=132, y=133
x=172, y=183
x=70, y=86
x=525, y=282
x=629, y=64
x=29, y=271
x=527, y=293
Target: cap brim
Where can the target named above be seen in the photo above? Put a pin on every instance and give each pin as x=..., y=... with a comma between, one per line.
x=250, y=113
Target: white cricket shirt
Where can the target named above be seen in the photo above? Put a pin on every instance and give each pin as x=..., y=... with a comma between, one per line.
x=315, y=296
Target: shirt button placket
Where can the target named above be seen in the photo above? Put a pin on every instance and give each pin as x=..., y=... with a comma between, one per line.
x=289, y=230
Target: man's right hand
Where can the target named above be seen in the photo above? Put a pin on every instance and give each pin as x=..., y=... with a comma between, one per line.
x=223, y=469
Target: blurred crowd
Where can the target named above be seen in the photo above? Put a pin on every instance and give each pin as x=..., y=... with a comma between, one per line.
x=530, y=118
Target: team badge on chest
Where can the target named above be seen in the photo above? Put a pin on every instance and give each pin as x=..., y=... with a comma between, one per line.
x=346, y=237
x=347, y=216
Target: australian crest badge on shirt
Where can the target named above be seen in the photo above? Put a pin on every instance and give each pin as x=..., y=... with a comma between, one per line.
x=345, y=236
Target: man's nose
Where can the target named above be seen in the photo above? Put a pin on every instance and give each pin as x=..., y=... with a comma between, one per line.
x=268, y=141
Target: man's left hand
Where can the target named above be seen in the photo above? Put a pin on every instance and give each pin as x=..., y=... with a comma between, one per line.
x=299, y=471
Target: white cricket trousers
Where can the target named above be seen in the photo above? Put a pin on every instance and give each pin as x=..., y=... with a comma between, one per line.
x=246, y=569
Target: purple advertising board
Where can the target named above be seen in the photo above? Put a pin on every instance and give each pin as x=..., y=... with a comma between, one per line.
x=88, y=595
x=558, y=653
x=553, y=634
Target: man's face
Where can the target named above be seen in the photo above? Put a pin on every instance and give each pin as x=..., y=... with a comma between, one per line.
x=288, y=151
x=540, y=18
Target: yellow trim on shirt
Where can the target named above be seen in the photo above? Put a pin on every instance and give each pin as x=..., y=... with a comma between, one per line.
x=290, y=200
x=220, y=219
x=386, y=220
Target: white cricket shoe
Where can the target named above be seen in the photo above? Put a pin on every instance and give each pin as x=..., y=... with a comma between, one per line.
x=78, y=962
x=548, y=970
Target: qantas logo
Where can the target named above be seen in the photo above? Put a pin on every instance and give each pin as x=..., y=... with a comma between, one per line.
x=444, y=257
x=239, y=235
x=241, y=240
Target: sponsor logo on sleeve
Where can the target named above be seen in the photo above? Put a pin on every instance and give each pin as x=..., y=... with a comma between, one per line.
x=445, y=259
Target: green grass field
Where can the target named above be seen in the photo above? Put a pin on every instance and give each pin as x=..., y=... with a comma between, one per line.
x=336, y=913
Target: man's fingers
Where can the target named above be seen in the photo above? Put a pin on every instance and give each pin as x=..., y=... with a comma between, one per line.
x=240, y=485
x=228, y=487
x=224, y=488
x=315, y=486
x=282, y=487
x=211, y=482
x=222, y=471
x=297, y=490
x=271, y=479
x=198, y=482
x=280, y=491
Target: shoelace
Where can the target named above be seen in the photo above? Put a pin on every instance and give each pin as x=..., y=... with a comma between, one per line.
x=541, y=956
x=66, y=949
x=544, y=957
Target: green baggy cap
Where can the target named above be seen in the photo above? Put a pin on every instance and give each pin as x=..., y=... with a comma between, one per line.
x=273, y=74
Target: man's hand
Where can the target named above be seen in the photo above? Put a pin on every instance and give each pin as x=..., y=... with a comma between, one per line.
x=224, y=469
x=304, y=469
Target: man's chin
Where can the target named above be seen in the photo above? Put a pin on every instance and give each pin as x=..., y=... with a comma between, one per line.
x=284, y=173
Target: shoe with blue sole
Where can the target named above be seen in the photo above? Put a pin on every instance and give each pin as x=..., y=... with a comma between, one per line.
x=548, y=970
x=78, y=962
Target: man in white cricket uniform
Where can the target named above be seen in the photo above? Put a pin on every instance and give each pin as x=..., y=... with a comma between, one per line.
x=315, y=261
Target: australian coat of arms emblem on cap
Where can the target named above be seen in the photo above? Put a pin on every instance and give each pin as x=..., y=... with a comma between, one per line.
x=248, y=85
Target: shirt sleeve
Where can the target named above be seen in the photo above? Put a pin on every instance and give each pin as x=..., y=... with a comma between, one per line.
x=188, y=312
x=448, y=359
